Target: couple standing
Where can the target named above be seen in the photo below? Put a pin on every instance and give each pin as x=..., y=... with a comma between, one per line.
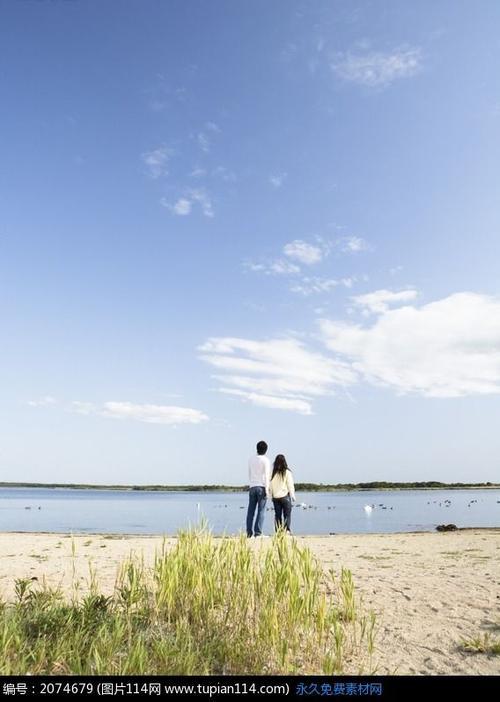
x=263, y=483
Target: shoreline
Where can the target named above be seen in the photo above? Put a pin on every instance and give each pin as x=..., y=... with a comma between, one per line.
x=429, y=590
x=159, y=535
x=302, y=487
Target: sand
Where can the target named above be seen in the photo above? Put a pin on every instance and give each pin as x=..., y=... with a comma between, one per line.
x=428, y=590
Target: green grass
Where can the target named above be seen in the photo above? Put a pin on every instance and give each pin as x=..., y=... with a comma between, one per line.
x=482, y=644
x=206, y=607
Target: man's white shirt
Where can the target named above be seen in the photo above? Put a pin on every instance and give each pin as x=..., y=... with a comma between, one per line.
x=259, y=472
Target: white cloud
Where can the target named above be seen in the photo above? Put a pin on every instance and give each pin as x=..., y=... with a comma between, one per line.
x=378, y=69
x=220, y=172
x=224, y=174
x=277, y=179
x=157, y=161
x=151, y=414
x=353, y=244
x=380, y=300
x=280, y=385
x=282, y=373
x=184, y=205
x=255, y=267
x=203, y=142
x=203, y=199
x=83, y=407
x=299, y=406
x=203, y=138
x=314, y=285
x=198, y=172
x=45, y=401
x=310, y=286
x=302, y=251
x=278, y=267
x=447, y=348
x=281, y=267
x=297, y=250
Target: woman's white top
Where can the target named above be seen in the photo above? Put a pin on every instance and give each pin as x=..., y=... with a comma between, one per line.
x=281, y=486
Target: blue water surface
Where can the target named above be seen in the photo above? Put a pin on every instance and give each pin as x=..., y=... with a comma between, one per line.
x=134, y=512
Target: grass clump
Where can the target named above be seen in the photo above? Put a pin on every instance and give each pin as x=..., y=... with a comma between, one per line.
x=207, y=607
x=482, y=644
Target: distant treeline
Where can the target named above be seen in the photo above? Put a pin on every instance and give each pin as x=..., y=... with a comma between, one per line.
x=384, y=485
x=303, y=487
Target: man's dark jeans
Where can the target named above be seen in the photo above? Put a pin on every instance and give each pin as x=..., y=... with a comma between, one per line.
x=283, y=512
x=256, y=499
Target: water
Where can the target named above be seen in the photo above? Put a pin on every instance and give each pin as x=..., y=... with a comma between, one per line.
x=117, y=512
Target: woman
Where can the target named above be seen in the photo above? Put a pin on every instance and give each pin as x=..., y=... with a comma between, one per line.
x=282, y=492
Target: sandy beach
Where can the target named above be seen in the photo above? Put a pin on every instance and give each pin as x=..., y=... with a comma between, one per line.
x=428, y=590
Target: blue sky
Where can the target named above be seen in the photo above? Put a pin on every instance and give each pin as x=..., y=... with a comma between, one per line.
x=227, y=221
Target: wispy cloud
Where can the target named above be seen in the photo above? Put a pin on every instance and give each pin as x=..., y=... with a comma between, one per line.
x=316, y=285
x=220, y=172
x=283, y=403
x=151, y=414
x=310, y=254
x=256, y=267
x=380, y=300
x=198, y=172
x=278, y=267
x=203, y=137
x=376, y=69
x=203, y=142
x=289, y=52
x=278, y=373
x=162, y=95
x=224, y=174
x=281, y=267
x=277, y=179
x=297, y=250
x=353, y=244
x=45, y=401
x=204, y=200
x=446, y=348
x=184, y=205
x=307, y=254
x=83, y=407
x=157, y=161
x=154, y=414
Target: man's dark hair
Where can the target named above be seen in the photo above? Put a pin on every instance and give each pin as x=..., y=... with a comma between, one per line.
x=261, y=448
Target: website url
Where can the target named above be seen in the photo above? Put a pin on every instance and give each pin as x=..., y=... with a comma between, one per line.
x=234, y=689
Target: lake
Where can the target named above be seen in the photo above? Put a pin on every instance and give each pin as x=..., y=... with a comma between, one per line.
x=138, y=512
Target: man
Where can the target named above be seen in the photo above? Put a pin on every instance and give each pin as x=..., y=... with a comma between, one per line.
x=259, y=479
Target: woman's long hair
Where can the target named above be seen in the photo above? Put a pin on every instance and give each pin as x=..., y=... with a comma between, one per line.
x=280, y=466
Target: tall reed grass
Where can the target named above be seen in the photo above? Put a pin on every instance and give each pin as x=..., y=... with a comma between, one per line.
x=208, y=606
